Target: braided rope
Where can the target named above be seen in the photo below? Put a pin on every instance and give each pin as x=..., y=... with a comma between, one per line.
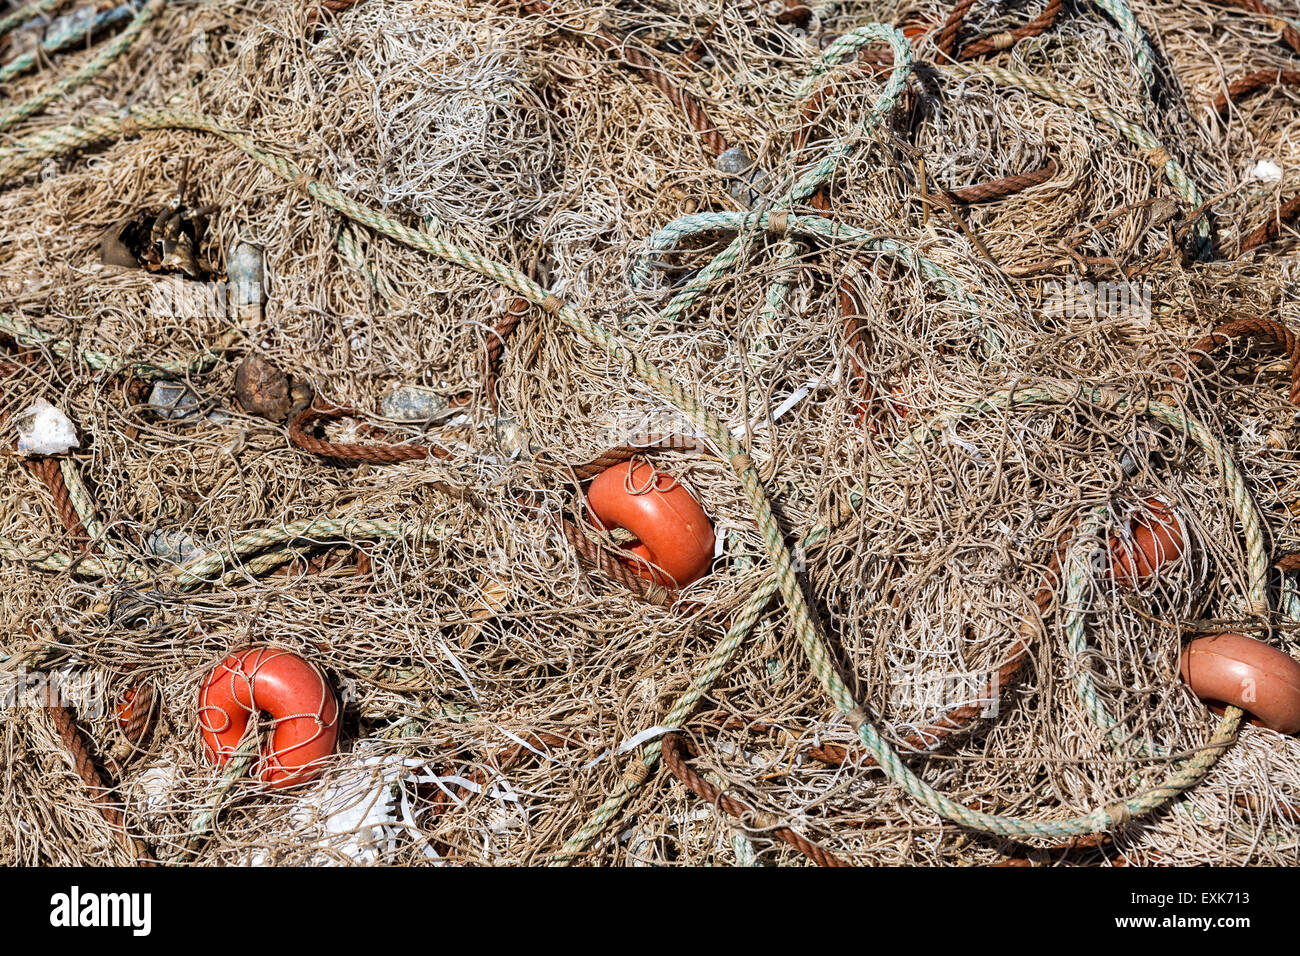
x=995, y=43
x=25, y=334
x=234, y=771
x=1272, y=229
x=1139, y=136
x=1251, y=83
x=1143, y=58
x=102, y=61
x=675, y=755
x=1290, y=35
x=29, y=11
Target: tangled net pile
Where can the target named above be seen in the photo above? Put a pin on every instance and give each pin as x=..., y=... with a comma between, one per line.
x=924, y=303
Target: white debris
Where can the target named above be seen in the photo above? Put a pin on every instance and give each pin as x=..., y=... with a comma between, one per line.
x=1266, y=171
x=360, y=811
x=44, y=430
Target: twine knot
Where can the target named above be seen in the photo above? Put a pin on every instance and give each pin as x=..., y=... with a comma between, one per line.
x=1119, y=814
x=552, y=303
x=1004, y=41
x=1158, y=157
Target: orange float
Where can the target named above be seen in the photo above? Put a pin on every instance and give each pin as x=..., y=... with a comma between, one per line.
x=1239, y=670
x=291, y=691
x=135, y=711
x=1155, y=540
x=673, y=532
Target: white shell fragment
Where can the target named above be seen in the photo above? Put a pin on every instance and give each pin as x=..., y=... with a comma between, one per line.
x=1266, y=171
x=44, y=430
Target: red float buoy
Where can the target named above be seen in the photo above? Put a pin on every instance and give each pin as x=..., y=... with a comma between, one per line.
x=673, y=532
x=1155, y=540
x=1239, y=670
x=302, y=707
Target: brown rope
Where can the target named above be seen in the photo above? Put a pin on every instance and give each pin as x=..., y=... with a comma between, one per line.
x=332, y=7
x=1252, y=83
x=496, y=344
x=625, y=453
x=1006, y=186
x=84, y=764
x=1290, y=36
x=675, y=757
x=600, y=558
x=301, y=435
x=1272, y=229
x=1266, y=329
x=995, y=43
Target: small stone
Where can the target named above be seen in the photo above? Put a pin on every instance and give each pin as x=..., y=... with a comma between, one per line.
x=246, y=280
x=174, y=401
x=174, y=546
x=512, y=438
x=411, y=403
x=262, y=389
x=747, y=180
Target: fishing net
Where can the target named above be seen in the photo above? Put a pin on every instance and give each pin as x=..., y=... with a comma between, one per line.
x=954, y=314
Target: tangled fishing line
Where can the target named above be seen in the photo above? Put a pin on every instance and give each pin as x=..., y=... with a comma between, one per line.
x=933, y=310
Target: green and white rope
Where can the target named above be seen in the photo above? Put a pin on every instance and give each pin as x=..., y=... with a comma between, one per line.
x=817, y=227
x=1139, y=136
x=804, y=184
x=101, y=62
x=20, y=16
x=1143, y=58
x=26, y=334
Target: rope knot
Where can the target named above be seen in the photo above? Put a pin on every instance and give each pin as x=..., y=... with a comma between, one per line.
x=856, y=718
x=552, y=303
x=1004, y=41
x=1119, y=814
x=1158, y=157
x=636, y=775
x=778, y=222
x=657, y=594
x=742, y=462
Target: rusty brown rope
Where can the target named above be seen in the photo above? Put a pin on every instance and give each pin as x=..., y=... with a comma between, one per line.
x=961, y=718
x=1001, y=188
x=595, y=556
x=996, y=43
x=332, y=7
x=496, y=344
x=675, y=757
x=1290, y=36
x=625, y=453
x=48, y=471
x=77, y=749
x=301, y=434
x=1266, y=329
x=1288, y=562
x=649, y=67
x=1272, y=229
x=1252, y=83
